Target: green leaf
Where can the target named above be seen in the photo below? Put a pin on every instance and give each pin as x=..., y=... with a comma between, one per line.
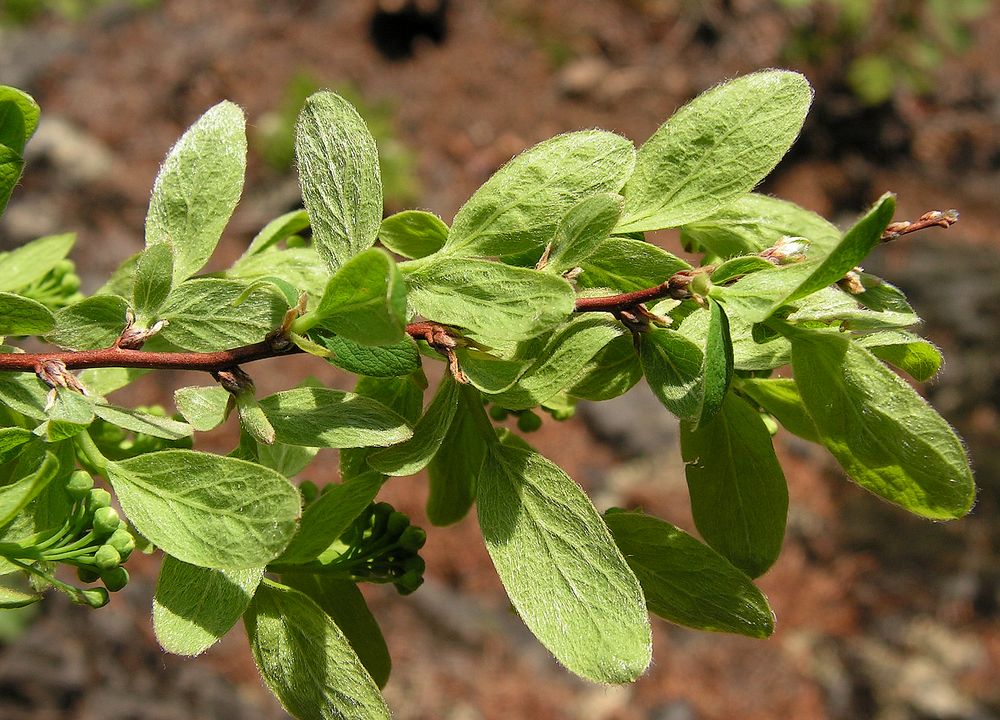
x=412, y=456
x=204, y=316
x=205, y=509
x=884, y=435
x=22, y=266
x=413, y=233
x=318, y=417
x=306, y=660
x=198, y=187
x=623, y=265
x=560, y=567
x=491, y=300
x=755, y=222
x=11, y=441
x=519, y=207
x=738, y=494
x=22, y=316
x=717, y=370
x=35, y=469
x=253, y=420
x=103, y=381
x=672, y=365
x=277, y=230
x=18, y=117
x=195, y=606
x=153, y=279
x=364, y=301
x=585, y=226
x=714, y=149
x=455, y=467
x=15, y=592
x=343, y=602
x=404, y=395
x=561, y=361
x=780, y=397
x=94, y=322
x=906, y=351
x=833, y=306
x=141, y=422
x=610, y=373
x=71, y=413
x=685, y=581
x=326, y=519
x=289, y=460
x=736, y=267
x=339, y=175
x=401, y=358
x=299, y=266
x=11, y=165
x=24, y=394
x=487, y=372
x=203, y=407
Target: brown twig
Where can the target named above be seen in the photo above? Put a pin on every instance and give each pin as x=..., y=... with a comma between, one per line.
x=935, y=218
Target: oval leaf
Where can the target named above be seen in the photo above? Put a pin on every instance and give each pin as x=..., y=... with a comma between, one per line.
x=23, y=316
x=672, y=365
x=413, y=233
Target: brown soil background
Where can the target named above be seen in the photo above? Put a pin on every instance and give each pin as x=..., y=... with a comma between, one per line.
x=879, y=615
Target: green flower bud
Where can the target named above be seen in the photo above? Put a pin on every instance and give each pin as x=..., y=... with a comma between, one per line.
x=528, y=422
x=409, y=583
x=107, y=558
x=122, y=541
x=308, y=490
x=498, y=413
x=63, y=267
x=106, y=521
x=413, y=538
x=115, y=579
x=379, y=519
x=79, y=484
x=69, y=284
x=98, y=498
x=94, y=597
x=87, y=574
x=414, y=564
x=397, y=523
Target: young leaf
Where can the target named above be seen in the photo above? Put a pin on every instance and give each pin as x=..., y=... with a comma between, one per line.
x=329, y=516
x=884, y=435
x=35, y=469
x=22, y=266
x=306, y=660
x=300, y=267
x=491, y=300
x=672, y=365
x=153, y=279
x=198, y=187
x=717, y=370
x=289, y=460
x=11, y=441
x=755, y=222
x=25, y=394
x=780, y=397
x=22, y=316
x=253, y=419
x=714, y=149
x=18, y=117
x=11, y=165
x=455, y=467
x=623, y=264
x=487, y=372
x=277, y=230
x=104, y=381
x=404, y=395
x=412, y=456
x=413, y=233
x=582, y=229
x=205, y=509
x=203, y=407
x=140, y=422
x=394, y=360
x=738, y=494
x=70, y=414
x=15, y=592
x=339, y=175
x=207, y=314
x=519, y=207
x=687, y=582
x=364, y=301
x=318, y=417
x=94, y=322
x=560, y=567
x=610, y=373
x=195, y=606
x=906, y=351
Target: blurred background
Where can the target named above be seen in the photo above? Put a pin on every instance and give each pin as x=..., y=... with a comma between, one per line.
x=880, y=615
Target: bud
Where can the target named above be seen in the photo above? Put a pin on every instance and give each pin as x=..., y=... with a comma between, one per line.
x=498, y=413
x=79, y=484
x=122, y=541
x=528, y=421
x=308, y=490
x=413, y=538
x=98, y=498
x=409, y=583
x=87, y=574
x=115, y=579
x=106, y=521
x=397, y=523
x=95, y=597
x=107, y=558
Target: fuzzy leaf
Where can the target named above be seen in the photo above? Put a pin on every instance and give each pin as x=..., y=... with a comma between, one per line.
x=35, y=469
x=560, y=567
x=279, y=229
x=203, y=407
x=717, y=370
x=153, y=279
x=339, y=175
x=401, y=358
x=140, y=422
x=780, y=397
x=94, y=322
x=413, y=233
x=205, y=509
x=714, y=149
x=195, y=606
x=198, y=187
x=18, y=117
x=610, y=373
x=910, y=353
x=23, y=316
x=455, y=468
x=22, y=266
x=306, y=660
x=687, y=582
x=738, y=494
x=585, y=226
x=672, y=365
x=519, y=207
x=623, y=265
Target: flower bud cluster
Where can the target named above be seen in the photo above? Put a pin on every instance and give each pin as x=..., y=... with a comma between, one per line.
x=58, y=288
x=382, y=546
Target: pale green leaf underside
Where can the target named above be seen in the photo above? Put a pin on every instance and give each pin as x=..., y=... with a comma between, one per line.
x=22, y=266
x=23, y=316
